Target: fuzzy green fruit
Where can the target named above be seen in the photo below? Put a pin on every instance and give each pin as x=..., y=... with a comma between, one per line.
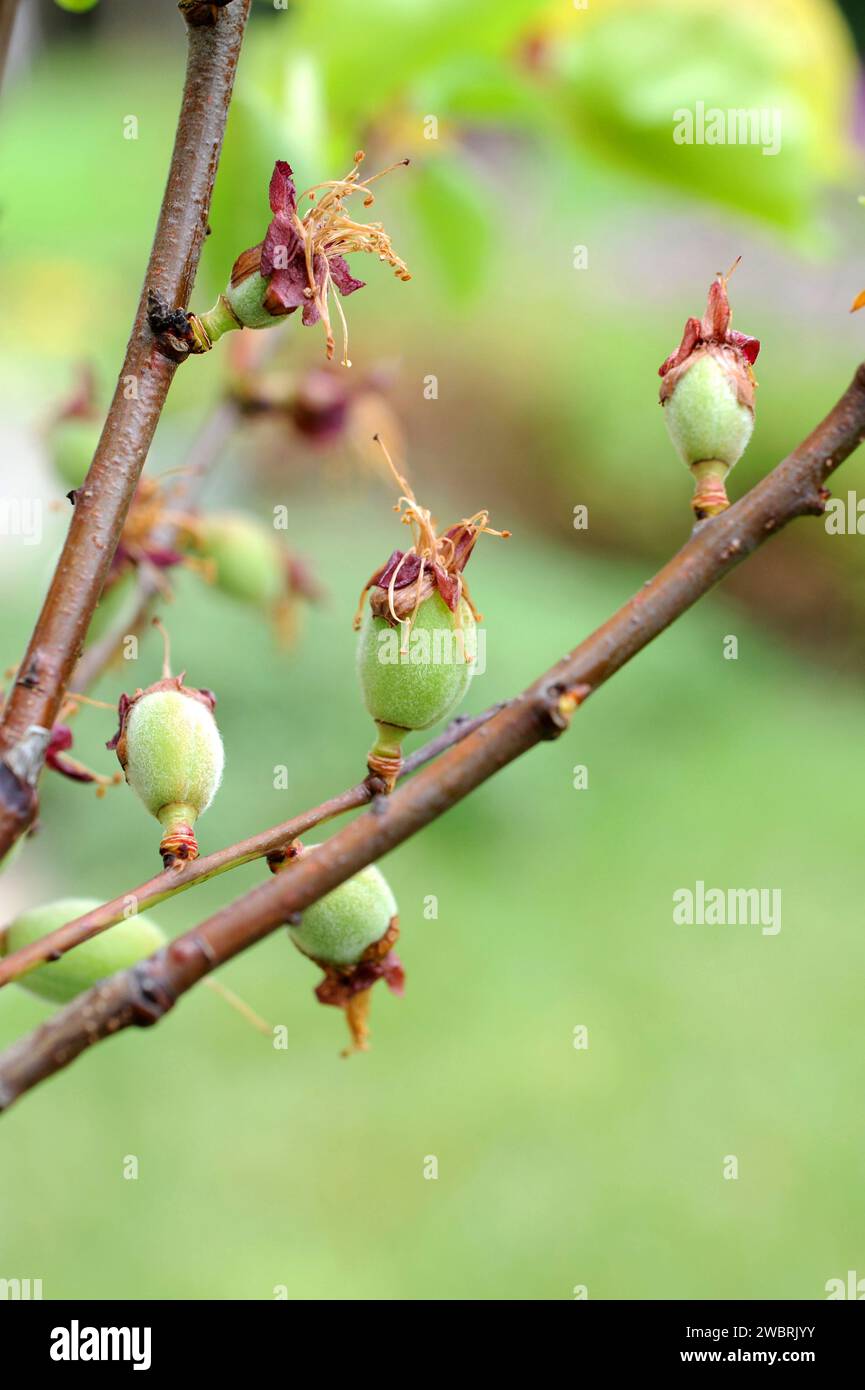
x=246, y=559
x=414, y=689
x=73, y=444
x=340, y=927
x=705, y=419
x=77, y=6
x=246, y=302
x=115, y=949
x=169, y=747
x=241, y=305
x=174, y=752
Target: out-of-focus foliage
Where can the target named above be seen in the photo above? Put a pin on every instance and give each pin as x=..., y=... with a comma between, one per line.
x=423, y=76
x=627, y=67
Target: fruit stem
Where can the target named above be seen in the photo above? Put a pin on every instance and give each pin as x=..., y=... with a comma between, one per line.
x=209, y=328
x=178, y=844
x=385, y=757
x=710, y=495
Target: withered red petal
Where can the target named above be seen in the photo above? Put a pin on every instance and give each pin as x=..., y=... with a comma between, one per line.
x=342, y=277
x=282, y=192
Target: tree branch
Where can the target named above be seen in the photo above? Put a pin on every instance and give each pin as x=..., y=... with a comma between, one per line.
x=145, y=377
x=187, y=875
x=144, y=994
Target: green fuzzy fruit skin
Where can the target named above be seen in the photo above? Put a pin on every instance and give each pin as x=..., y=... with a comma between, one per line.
x=422, y=688
x=73, y=444
x=339, y=927
x=115, y=949
x=247, y=560
x=174, y=754
x=77, y=6
x=246, y=300
x=704, y=418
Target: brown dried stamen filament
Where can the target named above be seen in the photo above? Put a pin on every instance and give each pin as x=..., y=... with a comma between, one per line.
x=326, y=231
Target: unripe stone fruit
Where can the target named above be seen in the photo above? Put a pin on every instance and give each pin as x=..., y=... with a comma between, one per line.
x=339, y=928
x=350, y=933
x=116, y=949
x=169, y=747
x=418, y=636
x=414, y=686
x=77, y=6
x=708, y=399
x=410, y=687
x=246, y=559
x=705, y=418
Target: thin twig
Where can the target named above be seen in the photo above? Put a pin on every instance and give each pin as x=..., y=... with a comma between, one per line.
x=187, y=875
x=144, y=994
x=203, y=454
x=103, y=501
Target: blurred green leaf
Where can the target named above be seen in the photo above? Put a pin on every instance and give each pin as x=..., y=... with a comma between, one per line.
x=628, y=71
x=474, y=88
x=455, y=221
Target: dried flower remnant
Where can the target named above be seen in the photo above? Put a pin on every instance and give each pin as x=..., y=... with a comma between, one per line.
x=350, y=933
x=422, y=593
x=61, y=739
x=300, y=264
x=56, y=757
x=708, y=398
x=170, y=749
x=138, y=546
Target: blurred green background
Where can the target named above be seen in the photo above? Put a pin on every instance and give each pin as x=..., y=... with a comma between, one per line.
x=557, y=1167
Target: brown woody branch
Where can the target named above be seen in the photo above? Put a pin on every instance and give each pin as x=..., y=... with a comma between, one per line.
x=187, y=875
x=145, y=377
x=144, y=994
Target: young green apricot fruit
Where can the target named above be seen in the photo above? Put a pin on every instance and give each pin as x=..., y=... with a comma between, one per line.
x=708, y=398
x=170, y=749
x=130, y=941
x=246, y=561
x=77, y=6
x=350, y=933
x=412, y=688
x=418, y=636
